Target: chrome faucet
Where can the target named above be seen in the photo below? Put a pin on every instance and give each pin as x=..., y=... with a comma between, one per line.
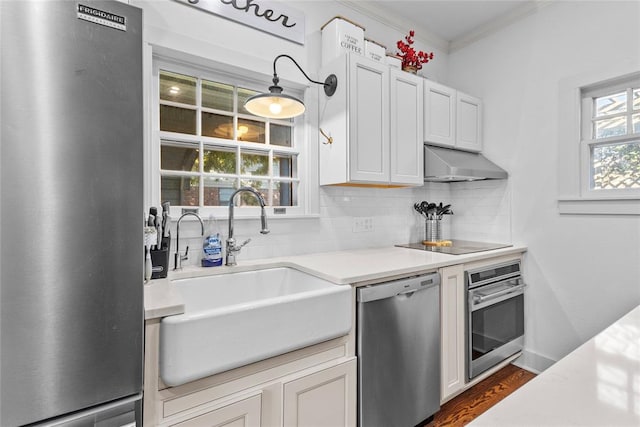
x=232, y=249
x=177, y=257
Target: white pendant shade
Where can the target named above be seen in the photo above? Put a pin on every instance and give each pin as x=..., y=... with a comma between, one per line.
x=274, y=106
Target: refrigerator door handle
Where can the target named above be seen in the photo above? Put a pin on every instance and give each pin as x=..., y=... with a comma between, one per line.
x=93, y=411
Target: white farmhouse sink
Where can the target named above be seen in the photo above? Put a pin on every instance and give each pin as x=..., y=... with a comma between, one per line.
x=234, y=319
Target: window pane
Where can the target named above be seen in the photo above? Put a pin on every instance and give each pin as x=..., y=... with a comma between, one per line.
x=180, y=191
x=174, y=119
x=610, y=127
x=179, y=157
x=210, y=169
x=615, y=166
x=284, y=165
x=280, y=135
x=254, y=163
x=219, y=160
x=218, y=191
x=217, y=125
x=243, y=95
x=636, y=123
x=177, y=88
x=248, y=199
x=284, y=194
x=611, y=104
x=251, y=131
x=636, y=99
x=217, y=95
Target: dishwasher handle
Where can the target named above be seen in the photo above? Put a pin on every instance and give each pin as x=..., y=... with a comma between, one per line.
x=397, y=287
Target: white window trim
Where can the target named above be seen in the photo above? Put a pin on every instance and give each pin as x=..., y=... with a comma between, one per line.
x=575, y=197
x=308, y=194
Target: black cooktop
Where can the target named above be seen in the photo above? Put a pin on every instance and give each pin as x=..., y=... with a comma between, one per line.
x=458, y=247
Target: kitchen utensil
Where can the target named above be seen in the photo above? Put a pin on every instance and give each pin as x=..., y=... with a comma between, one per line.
x=150, y=238
x=166, y=219
x=431, y=210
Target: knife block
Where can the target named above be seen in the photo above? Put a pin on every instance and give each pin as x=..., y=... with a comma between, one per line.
x=160, y=259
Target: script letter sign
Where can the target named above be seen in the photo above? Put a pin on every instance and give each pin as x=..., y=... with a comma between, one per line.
x=268, y=16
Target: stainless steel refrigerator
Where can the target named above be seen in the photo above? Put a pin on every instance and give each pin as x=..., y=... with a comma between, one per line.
x=71, y=210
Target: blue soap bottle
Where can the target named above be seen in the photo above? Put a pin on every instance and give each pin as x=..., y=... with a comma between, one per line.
x=212, y=246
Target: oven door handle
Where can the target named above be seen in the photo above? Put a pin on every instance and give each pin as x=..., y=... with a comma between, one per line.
x=479, y=299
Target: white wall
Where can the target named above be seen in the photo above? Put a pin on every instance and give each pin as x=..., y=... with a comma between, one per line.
x=173, y=25
x=584, y=271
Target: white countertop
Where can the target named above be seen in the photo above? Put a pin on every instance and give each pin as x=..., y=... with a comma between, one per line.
x=371, y=265
x=598, y=384
x=354, y=267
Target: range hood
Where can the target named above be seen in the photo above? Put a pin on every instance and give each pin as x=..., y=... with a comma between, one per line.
x=449, y=165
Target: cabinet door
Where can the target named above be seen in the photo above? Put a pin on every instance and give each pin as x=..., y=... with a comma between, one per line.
x=469, y=122
x=368, y=120
x=452, y=331
x=439, y=114
x=406, y=142
x=244, y=413
x=326, y=398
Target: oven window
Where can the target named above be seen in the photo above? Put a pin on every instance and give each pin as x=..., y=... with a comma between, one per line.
x=496, y=325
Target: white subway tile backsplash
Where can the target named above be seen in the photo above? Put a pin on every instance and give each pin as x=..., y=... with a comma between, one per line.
x=481, y=212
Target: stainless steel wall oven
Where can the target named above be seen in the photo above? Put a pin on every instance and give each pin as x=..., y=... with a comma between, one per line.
x=495, y=315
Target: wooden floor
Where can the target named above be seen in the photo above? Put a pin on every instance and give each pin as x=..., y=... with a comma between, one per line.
x=463, y=408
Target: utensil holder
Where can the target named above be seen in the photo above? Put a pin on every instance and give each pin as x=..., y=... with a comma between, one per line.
x=433, y=230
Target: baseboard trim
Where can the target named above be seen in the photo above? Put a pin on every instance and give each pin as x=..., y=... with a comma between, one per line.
x=533, y=362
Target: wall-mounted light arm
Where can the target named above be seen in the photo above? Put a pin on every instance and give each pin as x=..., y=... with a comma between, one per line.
x=276, y=105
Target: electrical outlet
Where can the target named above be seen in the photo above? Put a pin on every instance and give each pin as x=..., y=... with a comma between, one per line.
x=362, y=224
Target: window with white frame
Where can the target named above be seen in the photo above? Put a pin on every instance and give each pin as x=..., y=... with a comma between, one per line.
x=209, y=145
x=610, y=138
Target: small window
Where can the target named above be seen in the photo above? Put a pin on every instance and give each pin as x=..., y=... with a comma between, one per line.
x=210, y=145
x=611, y=137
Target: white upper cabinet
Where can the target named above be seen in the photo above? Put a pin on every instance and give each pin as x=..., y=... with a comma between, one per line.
x=439, y=114
x=407, y=158
x=374, y=119
x=451, y=118
x=368, y=111
x=468, y=122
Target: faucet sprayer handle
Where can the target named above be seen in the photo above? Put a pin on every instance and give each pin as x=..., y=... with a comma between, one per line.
x=232, y=247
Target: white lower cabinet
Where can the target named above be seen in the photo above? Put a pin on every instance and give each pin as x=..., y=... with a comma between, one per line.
x=452, y=331
x=312, y=386
x=326, y=398
x=243, y=413
x=318, y=398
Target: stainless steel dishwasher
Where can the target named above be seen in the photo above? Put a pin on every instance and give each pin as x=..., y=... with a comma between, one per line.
x=398, y=346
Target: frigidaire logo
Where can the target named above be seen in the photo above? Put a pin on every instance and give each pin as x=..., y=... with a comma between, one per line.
x=101, y=17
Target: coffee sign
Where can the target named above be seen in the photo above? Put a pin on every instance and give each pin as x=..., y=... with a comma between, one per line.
x=270, y=17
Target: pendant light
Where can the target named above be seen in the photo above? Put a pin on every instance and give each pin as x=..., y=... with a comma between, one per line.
x=277, y=105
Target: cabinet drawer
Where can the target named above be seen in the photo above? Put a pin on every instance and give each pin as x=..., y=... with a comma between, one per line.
x=243, y=413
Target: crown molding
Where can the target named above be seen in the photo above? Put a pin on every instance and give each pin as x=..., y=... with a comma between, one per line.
x=424, y=35
x=382, y=16
x=497, y=24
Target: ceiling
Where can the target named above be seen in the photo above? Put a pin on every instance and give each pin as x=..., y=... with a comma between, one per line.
x=447, y=24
